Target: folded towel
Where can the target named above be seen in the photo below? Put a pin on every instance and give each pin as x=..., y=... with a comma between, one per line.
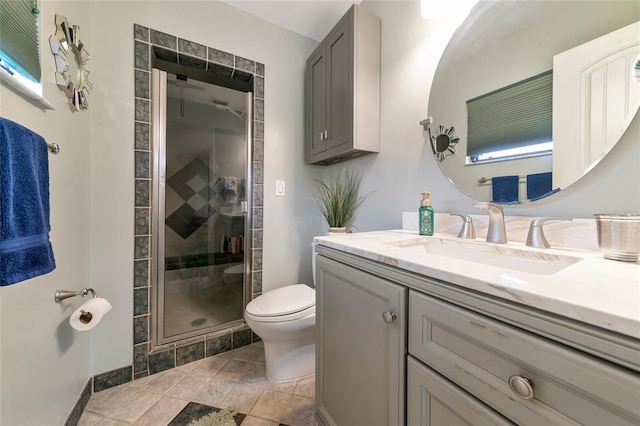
x=538, y=185
x=25, y=249
x=505, y=189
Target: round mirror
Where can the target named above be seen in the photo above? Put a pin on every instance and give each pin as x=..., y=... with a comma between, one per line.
x=567, y=66
x=71, y=64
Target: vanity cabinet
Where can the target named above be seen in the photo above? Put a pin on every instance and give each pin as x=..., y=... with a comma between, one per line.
x=361, y=347
x=470, y=358
x=528, y=379
x=342, y=95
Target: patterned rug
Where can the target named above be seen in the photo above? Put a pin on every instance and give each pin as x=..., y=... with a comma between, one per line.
x=194, y=412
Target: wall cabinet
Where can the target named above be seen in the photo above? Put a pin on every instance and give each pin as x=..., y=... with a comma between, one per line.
x=469, y=359
x=360, y=352
x=342, y=95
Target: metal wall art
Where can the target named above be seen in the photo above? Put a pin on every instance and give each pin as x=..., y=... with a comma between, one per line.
x=443, y=142
x=71, y=64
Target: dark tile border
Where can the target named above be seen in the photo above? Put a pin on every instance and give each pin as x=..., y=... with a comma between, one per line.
x=81, y=403
x=112, y=378
x=146, y=41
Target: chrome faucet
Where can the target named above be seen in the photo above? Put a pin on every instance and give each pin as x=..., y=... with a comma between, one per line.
x=467, y=231
x=535, y=237
x=497, y=232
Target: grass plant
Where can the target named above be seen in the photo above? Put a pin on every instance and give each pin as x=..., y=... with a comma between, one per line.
x=338, y=197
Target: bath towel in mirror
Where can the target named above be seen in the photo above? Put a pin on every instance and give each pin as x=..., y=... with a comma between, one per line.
x=538, y=185
x=505, y=189
x=25, y=249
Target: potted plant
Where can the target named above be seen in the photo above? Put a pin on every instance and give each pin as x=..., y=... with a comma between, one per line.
x=338, y=198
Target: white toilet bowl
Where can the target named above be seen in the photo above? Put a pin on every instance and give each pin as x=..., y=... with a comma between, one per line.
x=285, y=319
x=234, y=275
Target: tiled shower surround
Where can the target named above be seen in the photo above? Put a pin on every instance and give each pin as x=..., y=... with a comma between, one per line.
x=149, y=42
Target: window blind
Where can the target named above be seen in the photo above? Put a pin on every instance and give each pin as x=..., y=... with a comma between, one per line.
x=19, y=36
x=511, y=117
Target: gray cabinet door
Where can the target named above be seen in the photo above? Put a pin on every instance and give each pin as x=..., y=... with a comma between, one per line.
x=340, y=84
x=316, y=102
x=434, y=401
x=360, y=358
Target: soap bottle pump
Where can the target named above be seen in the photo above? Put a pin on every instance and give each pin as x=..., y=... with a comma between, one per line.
x=425, y=215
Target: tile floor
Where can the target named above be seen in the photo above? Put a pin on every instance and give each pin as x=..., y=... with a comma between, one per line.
x=234, y=379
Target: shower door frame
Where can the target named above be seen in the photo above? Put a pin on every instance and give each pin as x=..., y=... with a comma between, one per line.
x=159, y=120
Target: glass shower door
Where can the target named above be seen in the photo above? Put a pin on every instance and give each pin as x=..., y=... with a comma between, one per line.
x=202, y=167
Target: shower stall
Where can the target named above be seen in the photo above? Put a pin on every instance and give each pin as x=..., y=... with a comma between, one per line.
x=200, y=206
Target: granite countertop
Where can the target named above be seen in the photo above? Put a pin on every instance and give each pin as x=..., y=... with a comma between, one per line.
x=597, y=291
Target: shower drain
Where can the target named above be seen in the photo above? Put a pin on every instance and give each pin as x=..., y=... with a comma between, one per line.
x=198, y=322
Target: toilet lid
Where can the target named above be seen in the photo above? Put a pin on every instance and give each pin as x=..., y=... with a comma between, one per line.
x=236, y=269
x=283, y=301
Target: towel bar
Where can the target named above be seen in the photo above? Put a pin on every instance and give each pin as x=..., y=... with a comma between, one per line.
x=485, y=180
x=54, y=148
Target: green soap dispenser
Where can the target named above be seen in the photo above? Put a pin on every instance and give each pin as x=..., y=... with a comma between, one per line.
x=425, y=215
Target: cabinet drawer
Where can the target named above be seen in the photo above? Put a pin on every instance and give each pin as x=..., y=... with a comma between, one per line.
x=480, y=355
x=434, y=401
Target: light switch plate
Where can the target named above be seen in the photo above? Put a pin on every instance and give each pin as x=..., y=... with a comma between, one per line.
x=280, y=188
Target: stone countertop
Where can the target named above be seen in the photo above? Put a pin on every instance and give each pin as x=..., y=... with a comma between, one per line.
x=597, y=291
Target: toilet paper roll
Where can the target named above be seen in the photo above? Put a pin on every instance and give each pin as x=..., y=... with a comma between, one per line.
x=89, y=314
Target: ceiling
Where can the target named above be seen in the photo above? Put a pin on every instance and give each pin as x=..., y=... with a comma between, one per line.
x=311, y=18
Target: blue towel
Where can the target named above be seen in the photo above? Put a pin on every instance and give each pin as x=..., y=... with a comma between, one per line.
x=505, y=189
x=538, y=185
x=25, y=249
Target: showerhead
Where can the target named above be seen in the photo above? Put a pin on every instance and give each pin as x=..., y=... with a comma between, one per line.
x=221, y=105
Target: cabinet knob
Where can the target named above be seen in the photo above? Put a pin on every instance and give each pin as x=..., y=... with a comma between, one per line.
x=521, y=386
x=388, y=316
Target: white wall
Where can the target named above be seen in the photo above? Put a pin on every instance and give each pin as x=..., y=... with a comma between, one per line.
x=288, y=221
x=44, y=362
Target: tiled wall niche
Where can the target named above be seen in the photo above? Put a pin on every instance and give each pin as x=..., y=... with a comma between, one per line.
x=148, y=42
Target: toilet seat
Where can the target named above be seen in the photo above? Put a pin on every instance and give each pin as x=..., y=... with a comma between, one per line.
x=283, y=304
x=235, y=270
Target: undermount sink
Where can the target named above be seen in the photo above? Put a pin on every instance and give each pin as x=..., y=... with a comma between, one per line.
x=501, y=256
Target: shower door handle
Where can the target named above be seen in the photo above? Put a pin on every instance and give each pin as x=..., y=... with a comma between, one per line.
x=243, y=206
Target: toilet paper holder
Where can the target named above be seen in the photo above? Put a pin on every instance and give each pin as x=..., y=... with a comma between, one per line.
x=65, y=294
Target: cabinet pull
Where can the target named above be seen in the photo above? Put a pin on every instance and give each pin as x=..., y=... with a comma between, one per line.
x=521, y=386
x=326, y=135
x=321, y=136
x=388, y=316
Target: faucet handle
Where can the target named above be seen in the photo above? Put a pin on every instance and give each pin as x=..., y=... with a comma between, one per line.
x=535, y=237
x=467, y=230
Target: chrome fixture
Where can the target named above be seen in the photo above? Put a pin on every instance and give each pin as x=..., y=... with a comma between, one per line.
x=389, y=316
x=467, y=231
x=497, y=232
x=522, y=386
x=426, y=123
x=54, y=148
x=65, y=294
x=536, y=237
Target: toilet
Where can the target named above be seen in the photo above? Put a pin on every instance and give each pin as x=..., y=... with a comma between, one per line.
x=234, y=275
x=285, y=319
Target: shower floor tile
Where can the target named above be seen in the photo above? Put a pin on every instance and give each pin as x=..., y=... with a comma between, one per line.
x=233, y=380
x=201, y=308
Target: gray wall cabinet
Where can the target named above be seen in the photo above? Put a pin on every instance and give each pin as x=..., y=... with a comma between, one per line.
x=361, y=347
x=470, y=358
x=342, y=95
